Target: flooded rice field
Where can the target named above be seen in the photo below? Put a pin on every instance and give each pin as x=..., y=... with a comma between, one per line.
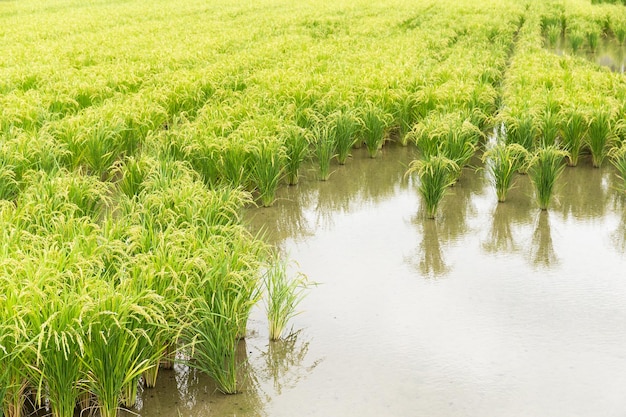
x=491, y=310
x=609, y=53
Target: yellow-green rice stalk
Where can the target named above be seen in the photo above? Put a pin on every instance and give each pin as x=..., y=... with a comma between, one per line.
x=283, y=296
x=503, y=161
x=436, y=174
x=546, y=165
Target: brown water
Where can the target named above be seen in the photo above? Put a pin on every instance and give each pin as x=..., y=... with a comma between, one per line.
x=492, y=310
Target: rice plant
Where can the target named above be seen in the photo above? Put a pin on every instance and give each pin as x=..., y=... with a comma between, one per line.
x=549, y=128
x=267, y=166
x=573, y=132
x=554, y=34
x=546, y=165
x=593, y=38
x=296, y=142
x=618, y=158
x=114, y=339
x=374, y=125
x=405, y=114
x=13, y=364
x=521, y=129
x=58, y=347
x=325, y=147
x=346, y=128
x=576, y=39
x=502, y=162
x=436, y=174
x=600, y=136
x=283, y=296
x=132, y=172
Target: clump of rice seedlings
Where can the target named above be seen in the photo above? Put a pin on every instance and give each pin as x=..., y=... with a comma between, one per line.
x=9, y=187
x=58, y=347
x=503, y=161
x=100, y=147
x=618, y=159
x=593, y=38
x=546, y=165
x=296, y=142
x=521, y=129
x=436, y=174
x=267, y=165
x=459, y=142
x=131, y=172
x=405, y=114
x=346, y=128
x=374, y=125
x=600, y=136
x=619, y=29
x=325, y=146
x=549, y=128
x=576, y=39
x=283, y=296
x=114, y=342
x=13, y=364
x=211, y=337
x=554, y=34
x=573, y=132
x=425, y=138
x=235, y=158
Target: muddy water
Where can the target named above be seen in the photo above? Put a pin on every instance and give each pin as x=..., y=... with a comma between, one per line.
x=491, y=310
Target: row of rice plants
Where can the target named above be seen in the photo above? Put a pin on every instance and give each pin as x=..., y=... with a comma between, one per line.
x=94, y=292
x=582, y=114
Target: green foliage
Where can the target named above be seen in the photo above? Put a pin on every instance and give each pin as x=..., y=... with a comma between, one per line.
x=600, y=136
x=296, y=142
x=325, y=146
x=346, y=127
x=374, y=123
x=267, y=162
x=618, y=159
x=283, y=296
x=574, y=131
x=546, y=165
x=436, y=174
x=503, y=161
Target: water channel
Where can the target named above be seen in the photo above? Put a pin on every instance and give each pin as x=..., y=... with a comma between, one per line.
x=491, y=310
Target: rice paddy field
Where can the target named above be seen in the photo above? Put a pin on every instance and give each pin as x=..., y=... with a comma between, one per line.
x=279, y=208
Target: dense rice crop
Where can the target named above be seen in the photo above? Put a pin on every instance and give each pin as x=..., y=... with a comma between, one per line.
x=129, y=147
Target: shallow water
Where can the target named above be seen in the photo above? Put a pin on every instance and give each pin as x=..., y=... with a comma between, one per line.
x=491, y=310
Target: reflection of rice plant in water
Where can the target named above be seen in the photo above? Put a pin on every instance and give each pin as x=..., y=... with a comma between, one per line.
x=503, y=161
x=573, y=134
x=296, y=143
x=283, y=296
x=436, y=174
x=600, y=135
x=546, y=165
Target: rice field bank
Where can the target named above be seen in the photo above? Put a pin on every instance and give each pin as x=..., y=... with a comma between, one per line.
x=138, y=140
